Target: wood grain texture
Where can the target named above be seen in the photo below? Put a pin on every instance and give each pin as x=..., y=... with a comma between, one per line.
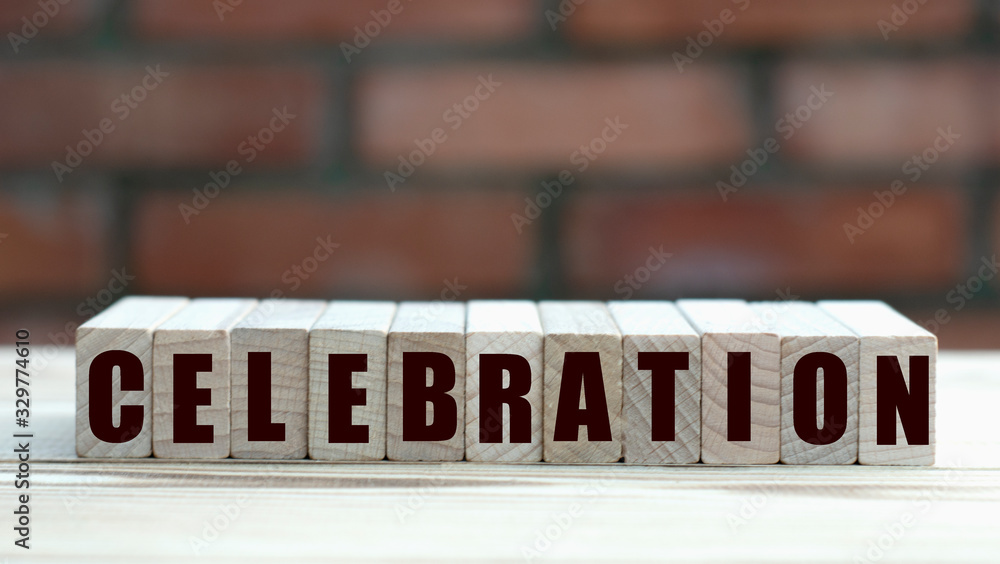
x=350, y=328
x=436, y=327
x=502, y=327
x=730, y=326
x=658, y=327
x=962, y=440
x=884, y=331
x=280, y=327
x=580, y=327
x=202, y=327
x=126, y=325
x=494, y=512
x=113, y=511
x=804, y=329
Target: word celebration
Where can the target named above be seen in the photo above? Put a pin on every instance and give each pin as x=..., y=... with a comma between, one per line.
x=643, y=382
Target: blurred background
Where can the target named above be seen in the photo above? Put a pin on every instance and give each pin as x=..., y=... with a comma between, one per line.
x=440, y=149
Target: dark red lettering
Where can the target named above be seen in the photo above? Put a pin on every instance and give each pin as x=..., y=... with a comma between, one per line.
x=259, y=425
x=493, y=396
x=738, y=400
x=416, y=395
x=913, y=405
x=188, y=396
x=101, y=392
x=343, y=397
x=582, y=370
x=663, y=367
x=804, y=383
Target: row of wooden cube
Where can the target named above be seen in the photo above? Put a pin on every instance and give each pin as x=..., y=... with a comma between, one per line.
x=717, y=381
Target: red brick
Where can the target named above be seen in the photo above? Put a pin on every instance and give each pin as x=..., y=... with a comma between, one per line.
x=884, y=112
x=298, y=20
x=402, y=245
x=53, y=244
x=541, y=114
x=764, y=22
x=759, y=242
x=68, y=19
x=196, y=117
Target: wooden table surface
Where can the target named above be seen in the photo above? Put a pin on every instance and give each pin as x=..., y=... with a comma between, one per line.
x=153, y=510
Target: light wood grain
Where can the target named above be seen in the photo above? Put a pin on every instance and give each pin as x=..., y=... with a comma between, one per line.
x=202, y=327
x=730, y=326
x=280, y=327
x=126, y=325
x=658, y=327
x=113, y=511
x=970, y=390
x=350, y=328
x=571, y=327
x=511, y=328
x=804, y=329
x=884, y=331
x=321, y=512
x=436, y=327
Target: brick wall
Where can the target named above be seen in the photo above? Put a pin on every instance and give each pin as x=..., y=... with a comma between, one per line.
x=505, y=148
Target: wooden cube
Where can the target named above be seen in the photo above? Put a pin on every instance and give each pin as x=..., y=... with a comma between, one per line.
x=270, y=371
x=114, y=377
x=191, y=381
x=503, y=388
x=898, y=361
x=348, y=348
x=661, y=382
x=741, y=383
x=426, y=382
x=583, y=383
x=819, y=384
